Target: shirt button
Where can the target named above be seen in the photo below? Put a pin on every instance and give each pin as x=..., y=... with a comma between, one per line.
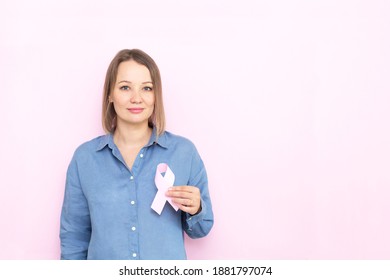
x=132, y=202
x=131, y=177
x=141, y=155
x=133, y=228
x=134, y=255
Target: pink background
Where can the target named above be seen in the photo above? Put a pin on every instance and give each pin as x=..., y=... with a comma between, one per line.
x=287, y=101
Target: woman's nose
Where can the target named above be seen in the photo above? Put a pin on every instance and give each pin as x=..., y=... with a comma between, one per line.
x=135, y=97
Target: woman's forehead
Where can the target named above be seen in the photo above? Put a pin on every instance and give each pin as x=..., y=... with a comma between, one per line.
x=133, y=72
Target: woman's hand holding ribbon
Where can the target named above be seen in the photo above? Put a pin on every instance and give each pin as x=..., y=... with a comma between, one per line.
x=187, y=198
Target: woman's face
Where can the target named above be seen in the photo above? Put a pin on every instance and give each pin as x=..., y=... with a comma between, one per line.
x=133, y=94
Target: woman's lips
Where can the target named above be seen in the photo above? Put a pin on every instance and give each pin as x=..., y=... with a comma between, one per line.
x=136, y=110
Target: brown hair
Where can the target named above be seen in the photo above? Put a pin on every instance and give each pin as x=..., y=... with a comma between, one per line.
x=157, y=119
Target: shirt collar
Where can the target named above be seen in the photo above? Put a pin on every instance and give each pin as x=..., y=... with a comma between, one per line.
x=108, y=140
x=161, y=140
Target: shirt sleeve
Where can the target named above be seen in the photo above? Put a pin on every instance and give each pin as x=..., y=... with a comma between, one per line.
x=199, y=225
x=75, y=228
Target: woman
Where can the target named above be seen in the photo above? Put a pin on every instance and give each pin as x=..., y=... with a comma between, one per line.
x=132, y=193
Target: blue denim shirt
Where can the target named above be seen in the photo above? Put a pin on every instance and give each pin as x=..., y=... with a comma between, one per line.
x=107, y=211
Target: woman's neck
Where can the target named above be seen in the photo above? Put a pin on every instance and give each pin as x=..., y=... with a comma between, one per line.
x=132, y=136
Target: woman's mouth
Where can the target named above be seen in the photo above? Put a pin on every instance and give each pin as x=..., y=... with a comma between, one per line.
x=135, y=110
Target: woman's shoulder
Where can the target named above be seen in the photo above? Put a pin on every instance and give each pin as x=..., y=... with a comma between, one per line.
x=178, y=142
x=92, y=145
x=175, y=139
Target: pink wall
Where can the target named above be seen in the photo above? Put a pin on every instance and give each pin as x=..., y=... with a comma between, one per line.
x=287, y=101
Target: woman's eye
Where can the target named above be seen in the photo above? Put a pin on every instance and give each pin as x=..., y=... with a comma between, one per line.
x=148, y=88
x=124, y=88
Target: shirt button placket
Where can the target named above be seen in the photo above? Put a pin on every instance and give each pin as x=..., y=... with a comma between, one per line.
x=133, y=220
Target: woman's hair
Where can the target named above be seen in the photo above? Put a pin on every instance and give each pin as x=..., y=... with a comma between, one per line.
x=157, y=119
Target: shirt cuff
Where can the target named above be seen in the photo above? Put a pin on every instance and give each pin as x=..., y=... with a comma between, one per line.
x=194, y=219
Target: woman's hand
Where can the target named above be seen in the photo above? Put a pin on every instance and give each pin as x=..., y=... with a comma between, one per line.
x=187, y=198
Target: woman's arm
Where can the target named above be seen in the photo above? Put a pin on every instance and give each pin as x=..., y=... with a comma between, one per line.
x=199, y=224
x=75, y=231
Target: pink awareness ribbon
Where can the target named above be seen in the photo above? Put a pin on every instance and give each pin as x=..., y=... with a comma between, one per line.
x=162, y=184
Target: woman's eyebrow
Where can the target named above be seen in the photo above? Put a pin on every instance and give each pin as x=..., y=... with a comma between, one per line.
x=128, y=82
